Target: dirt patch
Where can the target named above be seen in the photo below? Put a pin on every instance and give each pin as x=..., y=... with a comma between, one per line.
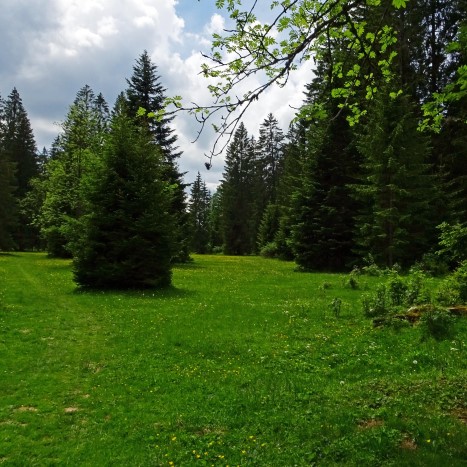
x=369, y=424
x=26, y=408
x=12, y=423
x=461, y=414
x=408, y=444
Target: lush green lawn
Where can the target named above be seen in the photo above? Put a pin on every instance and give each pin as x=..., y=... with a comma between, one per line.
x=242, y=362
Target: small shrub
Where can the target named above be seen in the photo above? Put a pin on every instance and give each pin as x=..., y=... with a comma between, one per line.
x=460, y=279
x=453, y=290
x=447, y=293
x=453, y=242
x=396, y=289
x=270, y=250
x=431, y=264
x=376, y=304
x=416, y=292
x=336, y=305
x=371, y=268
x=437, y=323
x=352, y=281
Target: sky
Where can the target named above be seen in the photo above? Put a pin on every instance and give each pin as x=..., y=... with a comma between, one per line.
x=52, y=48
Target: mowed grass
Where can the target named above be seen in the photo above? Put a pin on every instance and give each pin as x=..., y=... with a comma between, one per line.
x=242, y=362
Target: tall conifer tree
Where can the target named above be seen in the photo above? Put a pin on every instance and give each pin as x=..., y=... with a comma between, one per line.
x=74, y=157
x=199, y=209
x=145, y=91
x=8, y=203
x=19, y=148
x=238, y=203
x=396, y=224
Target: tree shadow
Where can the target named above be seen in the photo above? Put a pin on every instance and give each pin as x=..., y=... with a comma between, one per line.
x=143, y=293
x=189, y=265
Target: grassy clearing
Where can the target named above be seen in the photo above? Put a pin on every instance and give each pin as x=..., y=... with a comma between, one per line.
x=242, y=362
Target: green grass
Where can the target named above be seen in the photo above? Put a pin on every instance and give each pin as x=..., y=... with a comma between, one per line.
x=242, y=362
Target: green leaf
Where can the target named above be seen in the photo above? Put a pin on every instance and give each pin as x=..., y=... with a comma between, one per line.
x=399, y=3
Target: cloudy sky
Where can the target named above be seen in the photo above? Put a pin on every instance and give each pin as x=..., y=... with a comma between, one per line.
x=51, y=48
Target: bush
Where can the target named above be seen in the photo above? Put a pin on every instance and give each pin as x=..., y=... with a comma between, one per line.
x=269, y=250
x=336, y=305
x=431, y=263
x=371, y=268
x=453, y=242
x=437, y=323
x=217, y=250
x=416, y=292
x=396, y=289
x=453, y=290
x=352, y=281
x=376, y=304
x=460, y=279
x=397, y=292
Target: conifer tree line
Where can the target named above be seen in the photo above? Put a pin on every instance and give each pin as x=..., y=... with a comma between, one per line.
x=328, y=194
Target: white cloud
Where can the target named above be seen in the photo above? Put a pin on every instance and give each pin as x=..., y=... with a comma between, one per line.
x=216, y=25
x=96, y=42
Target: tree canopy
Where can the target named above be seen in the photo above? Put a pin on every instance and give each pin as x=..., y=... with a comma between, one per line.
x=298, y=31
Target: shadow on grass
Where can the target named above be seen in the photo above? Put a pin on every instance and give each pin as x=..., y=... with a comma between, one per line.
x=189, y=265
x=162, y=293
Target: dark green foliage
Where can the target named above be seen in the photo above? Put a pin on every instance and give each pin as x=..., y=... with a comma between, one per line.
x=18, y=142
x=145, y=91
x=216, y=238
x=8, y=205
x=323, y=210
x=438, y=323
x=19, y=162
x=126, y=237
x=453, y=242
x=269, y=225
x=453, y=290
x=238, y=203
x=73, y=160
x=269, y=160
x=396, y=224
x=199, y=209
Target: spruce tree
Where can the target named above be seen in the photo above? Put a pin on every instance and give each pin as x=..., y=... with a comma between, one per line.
x=238, y=203
x=270, y=156
x=216, y=238
x=397, y=190
x=8, y=203
x=73, y=158
x=199, y=209
x=126, y=238
x=19, y=148
x=145, y=91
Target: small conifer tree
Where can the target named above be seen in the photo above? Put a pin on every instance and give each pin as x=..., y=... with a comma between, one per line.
x=126, y=237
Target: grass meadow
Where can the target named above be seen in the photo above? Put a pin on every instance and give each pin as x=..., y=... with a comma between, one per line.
x=242, y=362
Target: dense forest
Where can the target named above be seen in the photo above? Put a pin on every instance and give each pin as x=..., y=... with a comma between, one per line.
x=330, y=192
